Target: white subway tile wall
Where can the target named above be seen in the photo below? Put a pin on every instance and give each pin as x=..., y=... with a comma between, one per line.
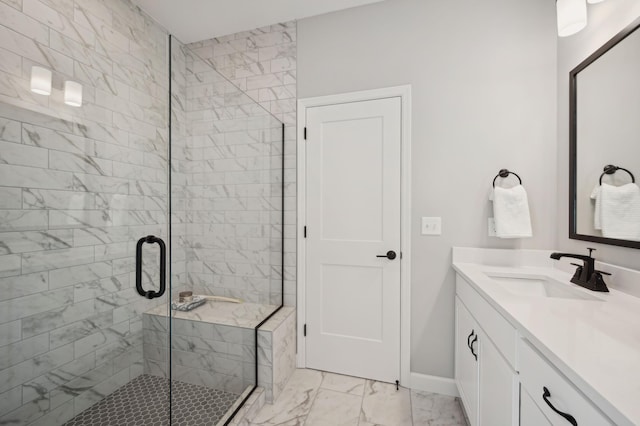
x=78, y=187
x=230, y=159
x=261, y=62
x=179, y=166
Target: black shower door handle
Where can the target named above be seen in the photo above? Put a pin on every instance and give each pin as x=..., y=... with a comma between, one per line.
x=163, y=264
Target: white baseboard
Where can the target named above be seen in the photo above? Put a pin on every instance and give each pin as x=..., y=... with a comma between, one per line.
x=435, y=384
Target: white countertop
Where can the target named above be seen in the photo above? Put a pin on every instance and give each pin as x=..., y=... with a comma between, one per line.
x=596, y=344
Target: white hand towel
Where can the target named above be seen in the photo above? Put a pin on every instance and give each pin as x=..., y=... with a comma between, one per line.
x=511, y=212
x=620, y=211
x=597, y=208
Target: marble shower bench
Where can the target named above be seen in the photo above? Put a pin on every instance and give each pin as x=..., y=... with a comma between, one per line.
x=214, y=346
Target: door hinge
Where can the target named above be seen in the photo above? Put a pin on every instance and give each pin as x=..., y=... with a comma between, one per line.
x=305, y=133
x=305, y=232
x=304, y=330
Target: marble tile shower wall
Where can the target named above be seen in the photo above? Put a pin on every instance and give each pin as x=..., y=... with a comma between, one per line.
x=262, y=63
x=179, y=166
x=234, y=193
x=77, y=188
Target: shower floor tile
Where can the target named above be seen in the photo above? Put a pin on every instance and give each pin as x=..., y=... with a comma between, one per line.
x=144, y=401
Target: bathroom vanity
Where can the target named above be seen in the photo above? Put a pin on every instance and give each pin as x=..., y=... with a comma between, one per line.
x=533, y=349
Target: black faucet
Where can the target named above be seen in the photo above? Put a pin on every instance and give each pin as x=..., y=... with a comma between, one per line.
x=586, y=275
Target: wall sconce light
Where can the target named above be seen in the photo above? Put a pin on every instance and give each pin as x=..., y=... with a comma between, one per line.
x=72, y=93
x=572, y=16
x=40, y=80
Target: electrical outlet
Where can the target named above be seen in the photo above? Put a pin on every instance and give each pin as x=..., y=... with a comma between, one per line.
x=492, y=227
x=431, y=226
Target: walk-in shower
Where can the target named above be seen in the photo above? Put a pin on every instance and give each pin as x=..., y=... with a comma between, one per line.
x=107, y=214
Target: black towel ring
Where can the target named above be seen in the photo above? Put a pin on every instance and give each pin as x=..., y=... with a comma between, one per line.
x=503, y=174
x=611, y=169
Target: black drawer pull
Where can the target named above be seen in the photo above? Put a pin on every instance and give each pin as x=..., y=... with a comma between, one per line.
x=475, y=355
x=469, y=338
x=568, y=417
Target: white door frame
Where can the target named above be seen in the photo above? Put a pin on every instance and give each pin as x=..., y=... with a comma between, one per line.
x=404, y=92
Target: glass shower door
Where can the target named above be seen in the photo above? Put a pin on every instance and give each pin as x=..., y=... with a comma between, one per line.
x=226, y=246
x=75, y=198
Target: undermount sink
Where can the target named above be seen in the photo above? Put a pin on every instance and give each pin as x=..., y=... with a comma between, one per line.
x=530, y=285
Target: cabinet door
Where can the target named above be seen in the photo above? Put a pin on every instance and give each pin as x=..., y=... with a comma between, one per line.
x=466, y=363
x=497, y=386
x=530, y=414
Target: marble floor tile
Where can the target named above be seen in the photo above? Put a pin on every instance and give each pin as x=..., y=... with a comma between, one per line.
x=332, y=408
x=383, y=405
x=294, y=403
x=345, y=384
x=430, y=409
x=314, y=398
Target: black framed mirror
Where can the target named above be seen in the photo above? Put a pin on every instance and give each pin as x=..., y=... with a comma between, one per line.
x=604, y=143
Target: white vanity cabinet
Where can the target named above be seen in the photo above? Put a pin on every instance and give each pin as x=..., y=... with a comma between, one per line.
x=486, y=381
x=497, y=390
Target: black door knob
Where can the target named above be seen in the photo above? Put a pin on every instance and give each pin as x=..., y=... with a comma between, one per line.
x=390, y=255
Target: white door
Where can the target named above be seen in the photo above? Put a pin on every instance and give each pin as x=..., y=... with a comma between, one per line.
x=353, y=161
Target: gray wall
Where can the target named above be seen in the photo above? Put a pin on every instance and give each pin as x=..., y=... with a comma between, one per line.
x=605, y=20
x=484, y=90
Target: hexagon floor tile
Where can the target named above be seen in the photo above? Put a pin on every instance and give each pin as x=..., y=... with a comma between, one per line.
x=144, y=401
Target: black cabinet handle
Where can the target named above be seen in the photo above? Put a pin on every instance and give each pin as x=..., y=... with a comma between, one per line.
x=568, y=417
x=475, y=355
x=390, y=255
x=150, y=294
x=469, y=338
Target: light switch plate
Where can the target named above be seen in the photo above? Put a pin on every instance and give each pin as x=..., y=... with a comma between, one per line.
x=491, y=227
x=431, y=226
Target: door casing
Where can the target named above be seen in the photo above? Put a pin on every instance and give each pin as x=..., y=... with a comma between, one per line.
x=404, y=93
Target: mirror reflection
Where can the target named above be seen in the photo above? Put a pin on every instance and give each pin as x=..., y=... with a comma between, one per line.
x=606, y=144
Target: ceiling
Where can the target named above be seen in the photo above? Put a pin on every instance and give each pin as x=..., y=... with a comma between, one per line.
x=195, y=20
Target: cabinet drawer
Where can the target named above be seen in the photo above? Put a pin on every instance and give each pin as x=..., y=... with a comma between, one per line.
x=495, y=326
x=537, y=374
x=530, y=414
